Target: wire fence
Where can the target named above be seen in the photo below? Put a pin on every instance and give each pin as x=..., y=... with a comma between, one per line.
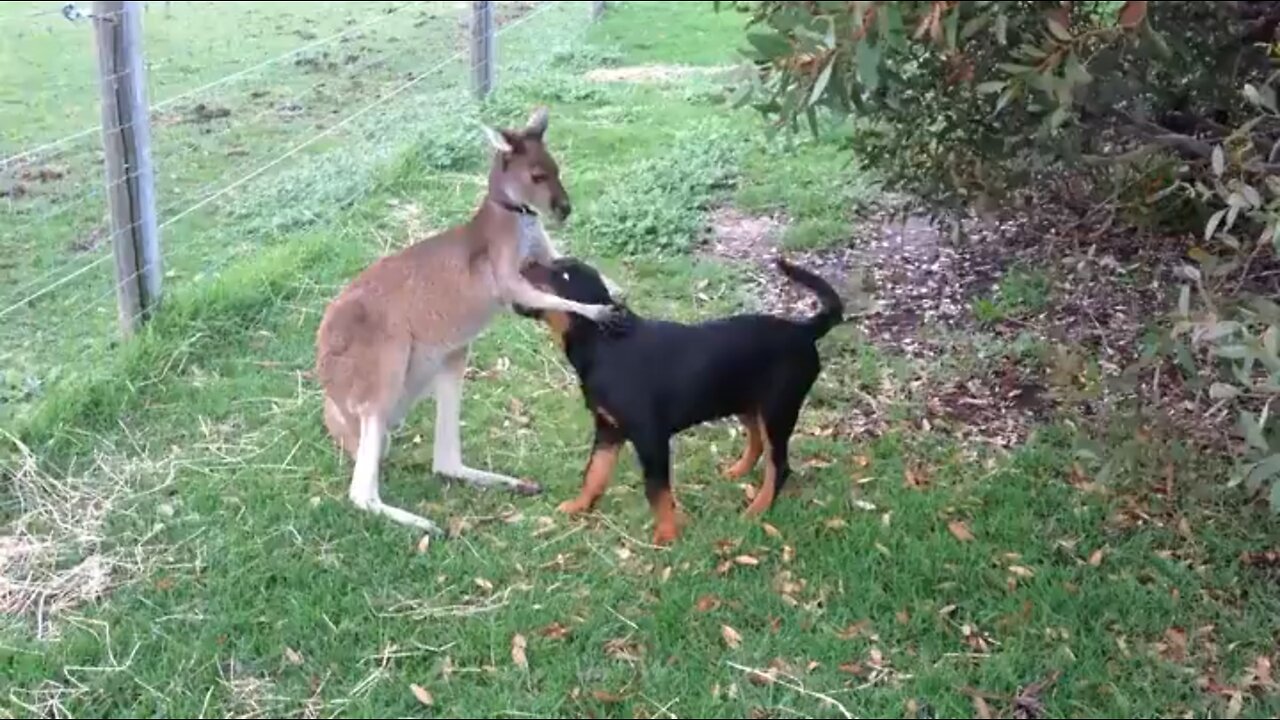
x=246, y=147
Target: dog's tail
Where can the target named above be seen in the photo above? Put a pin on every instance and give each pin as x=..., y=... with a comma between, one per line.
x=832, y=311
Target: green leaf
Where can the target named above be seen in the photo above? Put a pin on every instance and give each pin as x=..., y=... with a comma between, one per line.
x=1275, y=497
x=1219, y=161
x=991, y=86
x=1253, y=431
x=1264, y=471
x=973, y=26
x=1223, y=391
x=1267, y=309
x=1232, y=352
x=1269, y=340
x=869, y=65
x=950, y=26
x=1058, y=31
x=1075, y=71
x=1002, y=29
x=1212, y=226
x=1184, y=301
x=824, y=77
x=770, y=46
x=1251, y=196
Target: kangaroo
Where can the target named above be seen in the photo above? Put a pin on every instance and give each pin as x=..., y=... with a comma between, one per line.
x=401, y=330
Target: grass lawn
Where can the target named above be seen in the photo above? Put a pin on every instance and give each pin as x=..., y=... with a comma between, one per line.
x=177, y=538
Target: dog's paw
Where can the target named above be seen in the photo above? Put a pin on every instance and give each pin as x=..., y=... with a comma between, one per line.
x=571, y=507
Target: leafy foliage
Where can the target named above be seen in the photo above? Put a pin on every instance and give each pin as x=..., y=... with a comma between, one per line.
x=655, y=205
x=1166, y=111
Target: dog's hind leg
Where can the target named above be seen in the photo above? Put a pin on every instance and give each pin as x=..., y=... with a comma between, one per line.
x=447, y=459
x=751, y=453
x=781, y=410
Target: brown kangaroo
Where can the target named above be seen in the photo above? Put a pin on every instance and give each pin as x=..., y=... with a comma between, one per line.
x=401, y=329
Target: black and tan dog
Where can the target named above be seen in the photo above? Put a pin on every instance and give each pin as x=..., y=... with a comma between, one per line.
x=646, y=380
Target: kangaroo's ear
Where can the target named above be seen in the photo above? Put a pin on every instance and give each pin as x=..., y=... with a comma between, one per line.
x=497, y=140
x=537, y=125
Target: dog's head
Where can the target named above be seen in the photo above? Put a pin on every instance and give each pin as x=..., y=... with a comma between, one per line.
x=523, y=172
x=571, y=279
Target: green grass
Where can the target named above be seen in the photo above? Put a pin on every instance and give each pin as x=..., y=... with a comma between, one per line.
x=245, y=583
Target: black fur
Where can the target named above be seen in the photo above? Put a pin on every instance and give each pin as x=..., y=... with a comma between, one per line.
x=646, y=380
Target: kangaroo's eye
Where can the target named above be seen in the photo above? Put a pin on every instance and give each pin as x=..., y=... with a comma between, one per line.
x=539, y=178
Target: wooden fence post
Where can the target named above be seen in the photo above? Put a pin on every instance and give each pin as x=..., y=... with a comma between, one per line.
x=597, y=10
x=482, y=48
x=126, y=140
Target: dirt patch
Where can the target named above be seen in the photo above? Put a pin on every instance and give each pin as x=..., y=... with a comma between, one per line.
x=652, y=73
x=736, y=235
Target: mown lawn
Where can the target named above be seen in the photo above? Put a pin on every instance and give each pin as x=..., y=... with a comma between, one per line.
x=904, y=575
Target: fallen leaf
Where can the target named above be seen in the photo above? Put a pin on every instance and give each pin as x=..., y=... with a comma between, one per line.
x=1022, y=571
x=1175, y=645
x=947, y=610
x=707, y=603
x=864, y=505
x=731, y=636
x=1261, y=672
x=750, y=491
x=835, y=523
x=724, y=567
x=424, y=543
x=903, y=617
x=788, y=553
x=623, y=552
x=981, y=709
x=423, y=696
x=726, y=547
x=518, y=647
x=876, y=658
x=915, y=479
x=1095, y=559
x=813, y=665
x=605, y=696
x=854, y=630
x=775, y=624
x=1234, y=706
x=1028, y=704
x=855, y=669
x=861, y=461
x=293, y=656
x=748, y=560
x=960, y=531
x=554, y=631
x=622, y=649
x=483, y=584
x=756, y=677
x=770, y=530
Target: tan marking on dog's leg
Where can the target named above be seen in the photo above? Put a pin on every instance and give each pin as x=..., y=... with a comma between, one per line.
x=768, y=488
x=665, y=520
x=596, y=479
x=751, y=453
